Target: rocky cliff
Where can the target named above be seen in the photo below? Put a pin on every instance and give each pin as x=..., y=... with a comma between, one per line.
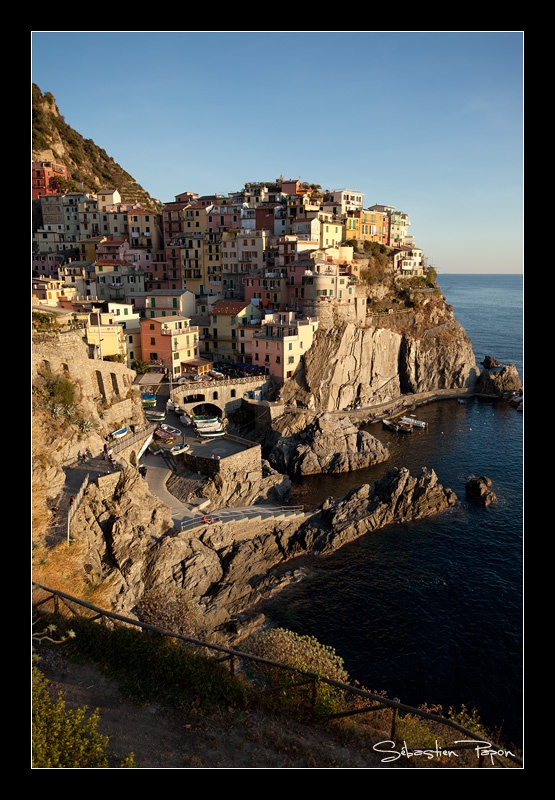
x=417, y=349
x=130, y=546
x=306, y=444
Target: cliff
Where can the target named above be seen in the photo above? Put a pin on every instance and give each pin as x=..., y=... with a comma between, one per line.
x=417, y=349
x=130, y=548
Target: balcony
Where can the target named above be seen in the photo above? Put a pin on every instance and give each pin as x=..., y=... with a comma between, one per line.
x=179, y=331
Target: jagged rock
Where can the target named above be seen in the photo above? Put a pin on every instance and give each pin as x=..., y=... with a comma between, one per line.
x=478, y=489
x=228, y=568
x=397, y=497
x=324, y=443
x=418, y=351
x=496, y=383
x=489, y=362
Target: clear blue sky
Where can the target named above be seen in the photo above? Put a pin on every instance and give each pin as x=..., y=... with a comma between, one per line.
x=430, y=122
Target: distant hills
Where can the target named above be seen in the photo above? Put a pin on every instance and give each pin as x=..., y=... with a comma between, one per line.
x=90, y=167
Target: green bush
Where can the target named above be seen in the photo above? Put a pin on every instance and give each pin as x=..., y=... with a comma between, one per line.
x=65, y=738
x=304, y=653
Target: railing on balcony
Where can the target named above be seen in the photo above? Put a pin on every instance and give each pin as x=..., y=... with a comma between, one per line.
x=178, y=331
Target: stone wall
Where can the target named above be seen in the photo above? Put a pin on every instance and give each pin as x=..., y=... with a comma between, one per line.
x=248, y=460
x=68, y=353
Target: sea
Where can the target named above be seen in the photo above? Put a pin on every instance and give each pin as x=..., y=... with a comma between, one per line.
x=432, y=612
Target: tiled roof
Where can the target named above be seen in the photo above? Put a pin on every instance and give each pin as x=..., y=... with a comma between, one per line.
x=228, y=307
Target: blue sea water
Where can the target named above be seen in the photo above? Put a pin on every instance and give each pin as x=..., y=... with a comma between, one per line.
x=432, y=611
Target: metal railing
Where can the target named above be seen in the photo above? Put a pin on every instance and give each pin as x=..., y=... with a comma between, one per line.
x=496, y=754
x=250, y=512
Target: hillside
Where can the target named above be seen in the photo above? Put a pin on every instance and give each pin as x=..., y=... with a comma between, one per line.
x=90, y=167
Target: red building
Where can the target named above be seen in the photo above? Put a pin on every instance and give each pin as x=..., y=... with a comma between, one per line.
x=45, y=176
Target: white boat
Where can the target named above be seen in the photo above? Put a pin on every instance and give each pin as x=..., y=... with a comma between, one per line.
x=209, y=426
x=205, y=419
x=171, y=405
x=411, y=420
x=170, y=430
x=186, y=419
x=119, y=433
x=154, y=415
x=177, y=449
x=210, y=434
x=397, y=426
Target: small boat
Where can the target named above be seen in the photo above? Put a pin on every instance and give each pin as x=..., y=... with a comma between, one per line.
x=171, y=405
x=186, y=419
x=397, y=426
x=208, y=426
x=154, y=415
x=163, y=436
x=119, y=433
x=210, y=434
x=411, y=420
x=177, y=449
x=148, y=400
x=461, y=401
x=201, y=419
x=171, y=431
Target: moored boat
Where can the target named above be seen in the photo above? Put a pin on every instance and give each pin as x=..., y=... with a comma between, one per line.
x=177, y=449
x=170, y=430
x=155, y=416
x=210, y=434
x=411, y=420
x=204, y=419
x=148, y=400
x=208, y=426
x=397, y=426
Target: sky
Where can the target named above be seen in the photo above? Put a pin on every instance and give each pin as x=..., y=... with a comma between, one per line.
x=429, y=122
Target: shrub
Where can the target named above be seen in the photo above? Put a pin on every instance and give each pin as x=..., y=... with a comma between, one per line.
x=63, y=738
x=305, y=653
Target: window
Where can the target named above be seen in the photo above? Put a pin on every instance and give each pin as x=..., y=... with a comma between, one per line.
x=291, y=360
x=153, y=341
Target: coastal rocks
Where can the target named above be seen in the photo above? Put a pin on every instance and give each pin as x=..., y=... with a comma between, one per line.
x=478, y=490
x=397, y=497
x=324, y=443
x=225, y=569
x=489, y=362
x=413, y=352
x=506, y=379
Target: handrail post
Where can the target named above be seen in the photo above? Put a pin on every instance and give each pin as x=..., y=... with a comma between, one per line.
x=393, y=720
x=314, y=694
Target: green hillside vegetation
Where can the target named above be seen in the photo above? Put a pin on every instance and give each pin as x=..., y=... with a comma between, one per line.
x=90, y=167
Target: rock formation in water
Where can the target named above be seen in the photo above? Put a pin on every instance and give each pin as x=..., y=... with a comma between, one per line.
x=479, y=490
x=322, y=443
x=499, y=381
